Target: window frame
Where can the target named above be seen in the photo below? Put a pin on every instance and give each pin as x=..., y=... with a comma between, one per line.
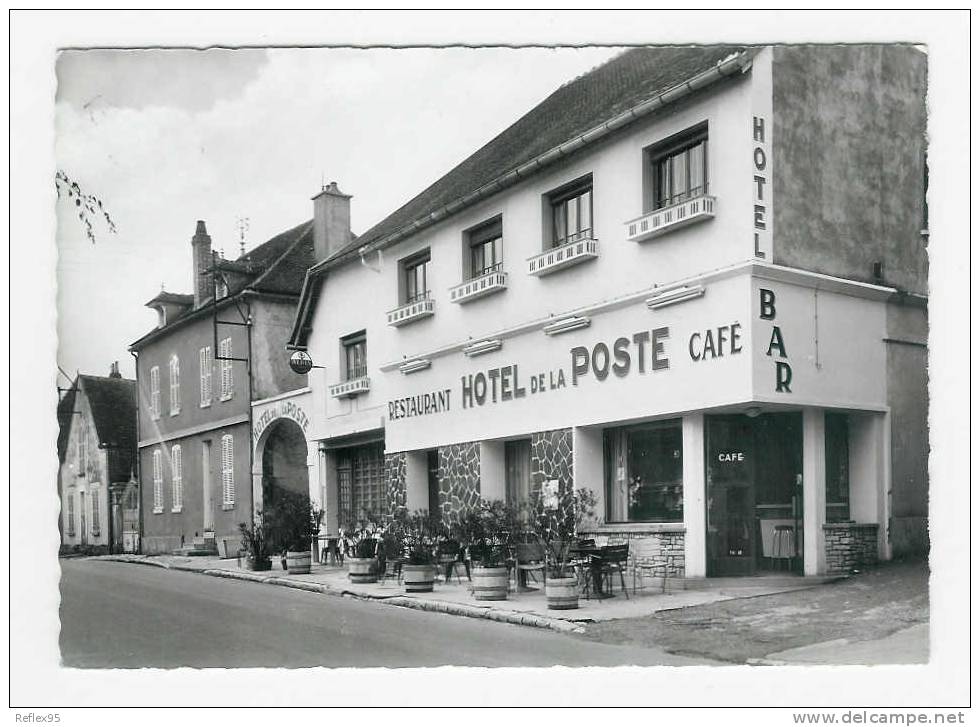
x=407, y=267
x=675, y=424
x=348, y=344
x=477, y=238
x=670, y=149
x=559, y=199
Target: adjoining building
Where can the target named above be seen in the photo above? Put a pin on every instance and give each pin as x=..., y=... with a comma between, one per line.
x=212, y=353
x=692, y=280
x=96, y=463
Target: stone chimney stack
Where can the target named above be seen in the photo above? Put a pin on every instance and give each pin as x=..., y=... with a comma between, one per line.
x=114, y=371
x=201, y=245
x=331, y=221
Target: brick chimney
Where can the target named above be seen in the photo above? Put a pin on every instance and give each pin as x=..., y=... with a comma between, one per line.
x=114, y=371
x=201, y=245
x=331, y=221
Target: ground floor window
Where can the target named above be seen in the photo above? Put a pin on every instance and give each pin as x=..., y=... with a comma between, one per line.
x=644, y=473
x=836, y=435
x=361, y=484
x=517, y=460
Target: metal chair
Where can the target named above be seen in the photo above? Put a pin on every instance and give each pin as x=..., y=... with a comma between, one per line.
x=644, y=556
x=784, y=544
x=613, y=560
x=529, y=557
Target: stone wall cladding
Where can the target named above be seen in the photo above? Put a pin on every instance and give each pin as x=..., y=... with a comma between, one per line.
x=459, y=480
x=669, y=552
x=395, y=467
x=551, y=459
x=849, y=546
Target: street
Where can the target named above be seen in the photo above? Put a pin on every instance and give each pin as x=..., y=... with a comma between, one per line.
x=126, y=615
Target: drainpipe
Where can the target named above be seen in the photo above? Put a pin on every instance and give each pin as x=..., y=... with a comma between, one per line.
x=139, y=477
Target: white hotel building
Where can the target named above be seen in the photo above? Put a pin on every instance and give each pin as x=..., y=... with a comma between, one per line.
x=692, y=280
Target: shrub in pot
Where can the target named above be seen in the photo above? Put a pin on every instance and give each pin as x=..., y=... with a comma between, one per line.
x=489, y=531
x=293, y=521
x=255, y=545
x=362, y=567
x=418, y=536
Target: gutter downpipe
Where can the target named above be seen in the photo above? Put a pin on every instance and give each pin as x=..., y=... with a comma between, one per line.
x=139, y=476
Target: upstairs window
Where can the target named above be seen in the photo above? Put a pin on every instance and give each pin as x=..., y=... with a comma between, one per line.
x=155, y=392
x=416, y=277
x=680, y=169
x=205, y=362
x=227, y=384
x=571, y=212
x=82, y=444
x=486, y=248
x=174, y=385
x=355, y=355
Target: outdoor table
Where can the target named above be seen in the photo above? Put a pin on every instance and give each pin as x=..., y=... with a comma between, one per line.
x=595, y=569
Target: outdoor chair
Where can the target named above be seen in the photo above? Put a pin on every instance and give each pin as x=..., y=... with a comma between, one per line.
x=613, y=560
x=528, y=558
x=646, y=558
x=581, y=559
x=447, y=556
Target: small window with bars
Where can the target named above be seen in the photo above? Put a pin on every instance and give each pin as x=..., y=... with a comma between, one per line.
x=227, y=383
x=155, y=392
x=416, y=276
x=177, y=480
x=174, y=385
x=227, y=471
x=205, y=362
x=486, y=248
x=680, y=169
x=355, y=355
x=157, y=481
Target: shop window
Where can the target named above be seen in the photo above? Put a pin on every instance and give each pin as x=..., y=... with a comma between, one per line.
x=155, y=392
x=517, y=476
x=157, y=481
x=680, y=168
x=836, y=454
x=415, y=278
x=644, y=473
x=486, y=244
x=355, y=355
x=571, y=212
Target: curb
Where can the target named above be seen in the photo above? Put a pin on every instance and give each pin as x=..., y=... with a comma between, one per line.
x=419, y=604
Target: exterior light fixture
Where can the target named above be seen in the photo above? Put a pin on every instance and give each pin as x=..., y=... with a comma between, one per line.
x=418, y=364
x=753, y=411
x=481, y=347
x=675, y=295
x=567, y=324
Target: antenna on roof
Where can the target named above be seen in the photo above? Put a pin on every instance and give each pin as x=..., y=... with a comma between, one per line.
x=242, y=223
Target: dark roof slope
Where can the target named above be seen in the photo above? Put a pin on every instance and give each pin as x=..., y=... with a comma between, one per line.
x=113, y=404
x=590, y=100
x=66, y=408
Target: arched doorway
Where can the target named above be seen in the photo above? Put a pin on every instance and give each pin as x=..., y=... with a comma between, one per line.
x=283, y=460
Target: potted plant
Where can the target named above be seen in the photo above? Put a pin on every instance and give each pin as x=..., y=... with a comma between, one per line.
x=489, y=531
x=293, y=521
x=419, y=570
x=555, y=524
x=362, y=566
x=255, y=545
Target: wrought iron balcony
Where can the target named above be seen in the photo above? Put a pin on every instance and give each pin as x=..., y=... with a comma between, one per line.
x=478, y=287
x=353, y=387
x=661, y=221
x=557, y=258
x=411, y=311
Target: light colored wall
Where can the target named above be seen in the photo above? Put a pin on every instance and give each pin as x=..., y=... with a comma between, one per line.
x=76, y=479
x=272, y=323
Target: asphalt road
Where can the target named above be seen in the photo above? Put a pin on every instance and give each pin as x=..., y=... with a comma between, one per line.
x=128, y=615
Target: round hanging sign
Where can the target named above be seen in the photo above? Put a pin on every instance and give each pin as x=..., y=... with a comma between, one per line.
x=300, y=362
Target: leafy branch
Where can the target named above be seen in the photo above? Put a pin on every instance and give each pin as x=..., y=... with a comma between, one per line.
x=89, y=206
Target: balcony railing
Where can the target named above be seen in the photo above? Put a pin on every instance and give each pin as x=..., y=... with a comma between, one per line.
x=663, y=220
x=557, y=258
x=412, y=311
x=489, y=282
x=350, y=388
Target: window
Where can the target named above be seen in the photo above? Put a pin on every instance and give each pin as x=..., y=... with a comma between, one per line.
x=644, y=473
x=361, y=485
x=157, y=481
x=82, y=445
x=571, y=213
x=355, y=355
x=155, y=392
x=174, y=385
x=416, y=278
x=837, y=458
x=680, y=170
x=70, y=527
x=225, y=353
x=96, y=521
x=206, y=363
x=486, y=249
x=227, y=471
x=176, y=480
x=517, y=476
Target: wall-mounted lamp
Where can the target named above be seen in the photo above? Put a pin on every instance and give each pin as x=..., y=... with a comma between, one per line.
x=567, y=324
x=675, y=295
x=481, y=347
x=418, y=364
x=753, y=411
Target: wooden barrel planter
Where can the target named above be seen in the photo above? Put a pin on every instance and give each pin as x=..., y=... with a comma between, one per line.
x=362, y=570
x=258, y=564
x=298, y=562
x=418, y=578
x=562, y=593
x=490, y=584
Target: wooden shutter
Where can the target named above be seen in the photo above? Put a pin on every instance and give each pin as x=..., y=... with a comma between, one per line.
x=158, y=481
x=155, y=392
x=177, y=483
x=205, y=360
x=228, y=469
x=174, y=385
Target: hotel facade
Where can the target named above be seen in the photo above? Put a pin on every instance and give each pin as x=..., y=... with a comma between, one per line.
x=692, y=281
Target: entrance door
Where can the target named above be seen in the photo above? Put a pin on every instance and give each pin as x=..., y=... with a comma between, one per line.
x=432, y=468
x=754, y=493
x=517, y=472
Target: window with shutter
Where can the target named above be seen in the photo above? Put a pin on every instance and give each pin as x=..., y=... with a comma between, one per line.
x=205, y=359
x=155, y=392
x=157, y=481
x=174, y=385
x=96, y=521
x=82, y=443
x=224, y=352
x=227, y=471
x=177, y=480
x=71, y=514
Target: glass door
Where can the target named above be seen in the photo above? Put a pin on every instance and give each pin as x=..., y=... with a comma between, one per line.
x=730, y=472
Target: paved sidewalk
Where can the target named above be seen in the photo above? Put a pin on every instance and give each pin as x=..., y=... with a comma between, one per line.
x=907, y=646
x=526, y=607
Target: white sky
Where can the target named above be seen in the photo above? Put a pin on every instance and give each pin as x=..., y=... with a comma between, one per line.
x=165, y=138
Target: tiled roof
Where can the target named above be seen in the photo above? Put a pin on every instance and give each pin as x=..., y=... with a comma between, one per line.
x=113, y=404
x=583, y=104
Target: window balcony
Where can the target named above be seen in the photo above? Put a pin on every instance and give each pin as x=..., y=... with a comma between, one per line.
x=353, y=387
x=412, y=311
x=491, y=282
x=663, y=220
x=557, y=258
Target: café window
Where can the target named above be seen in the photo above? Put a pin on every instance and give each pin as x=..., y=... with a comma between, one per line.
x=680, y=168
x=644, y=473
x=571, y=212
x=836, y=452
x=486, y=244
x=355, y=355
x=415, y=278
